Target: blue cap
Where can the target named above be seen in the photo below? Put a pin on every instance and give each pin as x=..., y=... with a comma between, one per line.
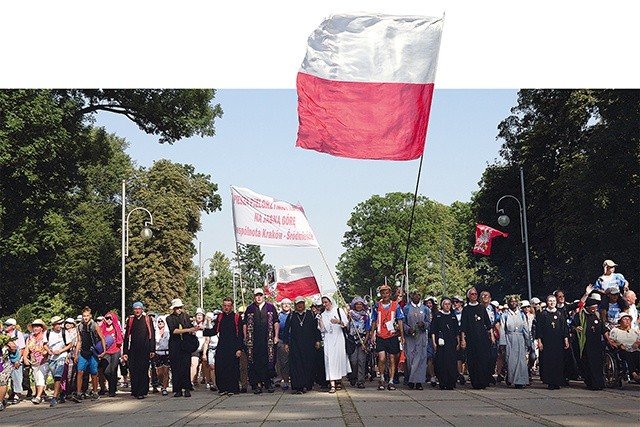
x=138, y=304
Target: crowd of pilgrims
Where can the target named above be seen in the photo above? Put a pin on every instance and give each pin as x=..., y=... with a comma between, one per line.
x=444, y=343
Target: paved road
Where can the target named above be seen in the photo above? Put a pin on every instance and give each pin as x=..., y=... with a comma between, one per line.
x=496, y=406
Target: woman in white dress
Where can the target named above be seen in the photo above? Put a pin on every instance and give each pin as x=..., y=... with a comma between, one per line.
x=331, y=324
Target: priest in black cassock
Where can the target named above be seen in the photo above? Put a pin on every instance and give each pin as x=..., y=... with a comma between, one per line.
x=302, y=339
x=588, y=323
x=553, y=338
x=477, y=338
x=230, y=345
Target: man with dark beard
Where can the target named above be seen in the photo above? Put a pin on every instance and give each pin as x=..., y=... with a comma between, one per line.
x=139, y=349
x=477, y=338
x=230, y=344
x=302, y=338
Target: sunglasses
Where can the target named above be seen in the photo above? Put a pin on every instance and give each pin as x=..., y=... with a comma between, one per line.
x=160, y=321
x=108, y=318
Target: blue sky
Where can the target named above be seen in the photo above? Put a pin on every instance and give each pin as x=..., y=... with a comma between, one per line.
x=254, y=147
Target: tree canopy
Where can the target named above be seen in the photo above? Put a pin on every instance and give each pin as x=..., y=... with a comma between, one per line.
x=580, y=151
x=376, y=243
x=60, y=187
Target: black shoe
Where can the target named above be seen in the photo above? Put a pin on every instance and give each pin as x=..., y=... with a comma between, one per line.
x=500, y=379
x=519, y=386
x=142, y=396
x=270, y=389
x=412, y=386
x=243, y=390
x=102, y=392
x=257, y=390
x=419, y=386
x=187, y=393
x=177, y=394
x=76, y=398
x=461, y=379
x=112, y=395
x=492, y=380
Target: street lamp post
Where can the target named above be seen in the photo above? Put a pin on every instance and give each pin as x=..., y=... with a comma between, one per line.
x=504, y=220
x=146, y=234
x=201, y=279
x=235, y=292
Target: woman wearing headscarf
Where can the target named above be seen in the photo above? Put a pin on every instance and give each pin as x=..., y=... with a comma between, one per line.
x=161, y=359
x=477, y=337
x=111, y=327
x=417, y=320
x=359, y=330
x=445, y=337
x=331, y=323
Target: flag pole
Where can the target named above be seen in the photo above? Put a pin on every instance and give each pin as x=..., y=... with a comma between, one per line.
x=413, y=210
x=339, y=294
x=240, y=274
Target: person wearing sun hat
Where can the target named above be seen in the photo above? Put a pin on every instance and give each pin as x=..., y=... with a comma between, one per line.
x=627, y=339
x=179, y=323
x=37, y=355
x=11, y=329
x=610, y=279
x=58, y=345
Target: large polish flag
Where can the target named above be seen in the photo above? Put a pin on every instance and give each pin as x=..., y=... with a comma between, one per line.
x=294, y=281
x=365, y=86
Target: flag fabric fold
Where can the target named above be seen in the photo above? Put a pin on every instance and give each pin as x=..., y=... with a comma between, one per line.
x=365, y=86
x=293, y=281
x=263, y=220
x=484, y=236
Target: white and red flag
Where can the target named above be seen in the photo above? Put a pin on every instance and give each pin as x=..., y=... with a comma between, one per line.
x=365, y=86
x=484, y=236
x=294, y=281
x=265, y=221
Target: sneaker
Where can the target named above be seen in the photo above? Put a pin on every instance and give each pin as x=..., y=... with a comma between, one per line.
x=94, y=396
x=84, y=396
x=155, y=390
x=76, y=397
x=285, y=386
x=62, y=398
x=434, y=381
x=1, y=406
x=165, y=392
x=53, y=402
x=461, y=379
x=36, y=400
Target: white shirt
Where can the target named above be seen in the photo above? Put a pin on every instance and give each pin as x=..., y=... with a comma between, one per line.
x=56, y=342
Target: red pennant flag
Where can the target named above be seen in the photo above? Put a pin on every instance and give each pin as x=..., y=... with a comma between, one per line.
x=484, y=235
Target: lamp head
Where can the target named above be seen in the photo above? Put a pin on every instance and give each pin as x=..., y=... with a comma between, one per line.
x=146, y=233
x=504, y=220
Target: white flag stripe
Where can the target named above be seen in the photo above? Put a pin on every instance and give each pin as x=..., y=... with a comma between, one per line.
x=294, y=272
x=375, y=48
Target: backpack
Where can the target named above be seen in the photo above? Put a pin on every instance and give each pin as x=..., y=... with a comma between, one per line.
x=93, y=330
x=130, y=323
x=64, y=336
x=237, y=317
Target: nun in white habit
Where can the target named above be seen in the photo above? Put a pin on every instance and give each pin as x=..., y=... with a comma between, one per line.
x=331, y=324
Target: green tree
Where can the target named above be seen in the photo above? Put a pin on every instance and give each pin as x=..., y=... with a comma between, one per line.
x=580, y=151
x=253, y=270
x=175, y=195
x=376, y=244
x=48, y=150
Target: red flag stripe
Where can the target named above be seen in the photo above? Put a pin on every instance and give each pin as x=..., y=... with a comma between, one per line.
x=383, y=121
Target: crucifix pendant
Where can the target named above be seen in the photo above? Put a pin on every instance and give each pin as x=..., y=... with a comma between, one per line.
x=553, y=325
